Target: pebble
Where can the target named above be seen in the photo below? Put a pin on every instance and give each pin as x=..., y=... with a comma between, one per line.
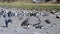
x=1, y=30
x=18, y=29
x=36, y=33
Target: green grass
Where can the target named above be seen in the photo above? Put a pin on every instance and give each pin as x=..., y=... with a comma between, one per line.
x=29, y=5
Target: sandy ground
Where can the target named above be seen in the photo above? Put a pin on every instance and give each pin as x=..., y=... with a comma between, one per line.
x=16, y=28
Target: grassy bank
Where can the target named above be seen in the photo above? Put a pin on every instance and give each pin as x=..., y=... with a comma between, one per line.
x=31, y=6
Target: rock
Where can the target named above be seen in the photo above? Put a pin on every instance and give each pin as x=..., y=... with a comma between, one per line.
x=58, y=16
x=53, y=25
x=39, y=27
x=57, y=13
x=47, y=21
x=25, y=23
x=20, y=18
x=32, y=14
x=45, y=14
x=53, y=12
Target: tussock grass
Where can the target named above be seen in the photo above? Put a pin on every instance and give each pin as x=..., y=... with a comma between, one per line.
x=29, y=5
